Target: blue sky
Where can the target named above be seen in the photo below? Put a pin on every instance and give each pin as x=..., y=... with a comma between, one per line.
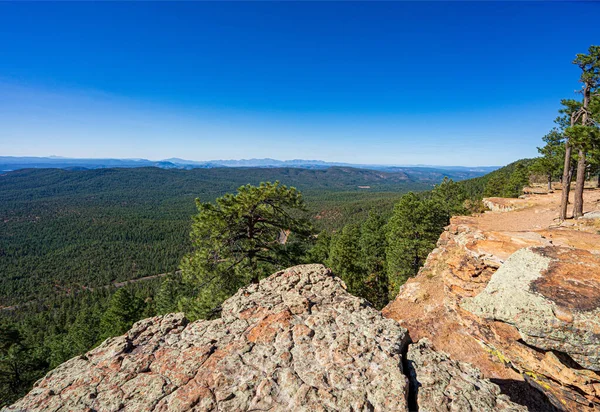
x=445, y=83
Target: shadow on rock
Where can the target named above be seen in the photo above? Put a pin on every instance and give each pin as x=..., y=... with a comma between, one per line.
x=522, y=393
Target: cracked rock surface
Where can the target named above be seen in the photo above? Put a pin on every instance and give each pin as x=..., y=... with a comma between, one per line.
x=552, y=296
x=444, y=385
x=296, y=341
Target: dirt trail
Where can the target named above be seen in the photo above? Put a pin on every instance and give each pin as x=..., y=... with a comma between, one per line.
x=534, y=212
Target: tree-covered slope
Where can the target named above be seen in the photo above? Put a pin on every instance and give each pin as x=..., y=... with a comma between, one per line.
x=504, y=182
x=61, y=229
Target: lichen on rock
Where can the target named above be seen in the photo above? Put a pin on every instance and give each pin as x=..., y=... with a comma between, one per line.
x=552, y=296
x=296, y=341
x=442, y=384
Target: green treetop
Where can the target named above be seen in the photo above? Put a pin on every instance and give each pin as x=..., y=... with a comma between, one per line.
x=550, y=164
x=412, y=233
x=240, y=239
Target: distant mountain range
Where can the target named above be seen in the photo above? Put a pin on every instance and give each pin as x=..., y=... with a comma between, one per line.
x=9, y=163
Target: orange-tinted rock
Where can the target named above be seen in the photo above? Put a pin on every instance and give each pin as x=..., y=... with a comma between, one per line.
x=468, y=255
x=572, y=279
x=552, y=296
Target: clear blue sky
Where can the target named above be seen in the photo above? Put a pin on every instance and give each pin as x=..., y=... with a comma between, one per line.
x=447, y=83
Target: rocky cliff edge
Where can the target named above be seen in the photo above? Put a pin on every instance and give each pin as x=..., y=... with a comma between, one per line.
x=516, y=293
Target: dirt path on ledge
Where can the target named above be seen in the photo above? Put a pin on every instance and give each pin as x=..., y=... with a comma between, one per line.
x=534, y=213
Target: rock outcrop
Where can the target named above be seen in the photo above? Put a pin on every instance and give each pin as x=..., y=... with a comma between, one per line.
x=552, y=296
x=441, y=384
x=518, y=296
x=296, y=341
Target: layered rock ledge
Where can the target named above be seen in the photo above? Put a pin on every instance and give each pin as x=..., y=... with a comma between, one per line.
x=517, y=294
x=552, y=296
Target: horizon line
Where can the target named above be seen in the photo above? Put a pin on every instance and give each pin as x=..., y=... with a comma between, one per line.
x=169, y=159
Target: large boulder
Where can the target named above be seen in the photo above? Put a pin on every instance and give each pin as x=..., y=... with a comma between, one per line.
x=296, y=341
x=552, y=296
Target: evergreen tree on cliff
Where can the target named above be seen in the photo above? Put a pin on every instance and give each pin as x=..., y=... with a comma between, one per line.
x=19, y=366
x=451, y=196
x=319, y=252
x=412, y=233
x=550, y=164
x=168, y=294
x=583, y=133
x=83, y=333
x=239, y=240
x=123, y=310
x=372, y=247
x=345, y=258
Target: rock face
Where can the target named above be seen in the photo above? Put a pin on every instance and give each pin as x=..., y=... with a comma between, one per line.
x=442, y=384
x=518, y=296
x=296, y=341
x=552, y=296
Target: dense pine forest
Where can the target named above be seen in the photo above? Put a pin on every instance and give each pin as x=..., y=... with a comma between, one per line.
x=65, y=230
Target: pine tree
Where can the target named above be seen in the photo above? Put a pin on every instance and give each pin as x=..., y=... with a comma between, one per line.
x=495, y=186
x=584, y=135
x=345, y=257
x=319, y=252
x=240, y=239
x=170, y=291
x=372, y=245
x=550, y=164
x=85, y=331
x=124, y=309
x=566, y=119
x=451, y=196
x=18, y=365
x=412, y=233
x=518, y=179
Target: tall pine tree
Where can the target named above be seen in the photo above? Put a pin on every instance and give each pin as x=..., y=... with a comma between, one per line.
x=584, y=135
x=372, y=247
x=550, y=164
x=345, y=257
x=124, y=309
x=240, y=239
x=412, y=232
